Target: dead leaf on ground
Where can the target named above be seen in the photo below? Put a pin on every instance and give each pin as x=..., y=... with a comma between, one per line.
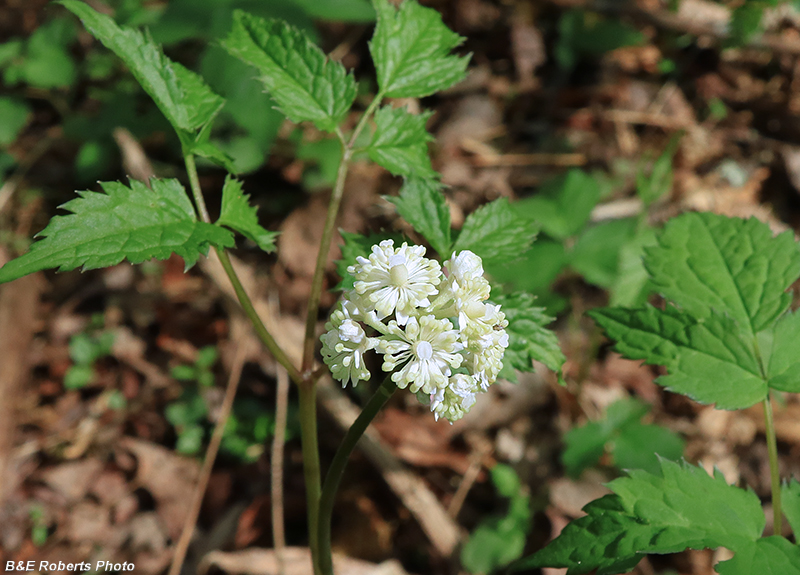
x=420, y=440
x=170, y=478
x=72, y=480
x=297, y=561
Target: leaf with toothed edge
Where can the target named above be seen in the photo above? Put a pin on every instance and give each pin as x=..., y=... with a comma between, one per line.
x=133, y=223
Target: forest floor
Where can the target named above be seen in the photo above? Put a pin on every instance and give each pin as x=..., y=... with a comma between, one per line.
x=91, y=472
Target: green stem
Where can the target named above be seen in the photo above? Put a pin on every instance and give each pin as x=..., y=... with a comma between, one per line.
x=311, y=468
x=197, y=193
x=309, y=340
x=336, y=470
x=244, y=299
x=774, y=470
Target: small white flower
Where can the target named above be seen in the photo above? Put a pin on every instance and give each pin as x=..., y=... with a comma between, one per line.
x=485, y=356
x=343, y=348
x=398, y=280
x=426, y=350
x=455, y=400
x=464, y=266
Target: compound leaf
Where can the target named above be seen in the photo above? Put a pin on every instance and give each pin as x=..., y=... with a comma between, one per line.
x=528, y=336
x=411, y=51
x=400, y=142
x=133, y=223
x=705, y=261
x=183, y=96
x=422, y=204
x=682, y=507
x=496, y=233
x=706, y=359
x=239, y=215
x=305, y=84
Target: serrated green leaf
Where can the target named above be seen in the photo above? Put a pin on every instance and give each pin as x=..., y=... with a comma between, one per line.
x=705, y=261
x=422, y=204
x=529, y=338
x=239, y=215
x=706, y=359
x=768, y=556
x=302, y=81
x=681, y=508
x=132, y=223
x=400, y=142
x=790, y=495
x=411, y=51
x=783, y=365
x=181, y=95
x=563, y=205
x=496, y=233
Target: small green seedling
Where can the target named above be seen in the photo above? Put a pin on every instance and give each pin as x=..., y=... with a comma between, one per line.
x=620, y=434
x=498, y=541
x=85, y=350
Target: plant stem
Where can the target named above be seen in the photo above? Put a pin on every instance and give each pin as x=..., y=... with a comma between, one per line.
x=311, y=468
x=197, y=193
x=336, y=470
x=327, y=235
x=244, y=299
x=774, y=470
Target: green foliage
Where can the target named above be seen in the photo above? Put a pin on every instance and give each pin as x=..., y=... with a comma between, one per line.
x=133, y=223
x=43, y=60
x=181, y=95
x=422, y=204
x=201, y=371
x=302, y=81
x=14, y=116
x=587, y=34
x=39, y=528
x=653, y=185
x=498, y=541
x=722, y=344
x=496, y=232
x=790, y=496
x=705, y=359
x=681, y=507
x=84, y=351
x=237, y=214
x=596, y=254
x=705, y=261
x=411, y=51
x=633, y=445
x=400, y=143
x=529, y=339
x=563, y=205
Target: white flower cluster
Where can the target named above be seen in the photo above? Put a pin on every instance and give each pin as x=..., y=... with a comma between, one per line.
x=437, y=334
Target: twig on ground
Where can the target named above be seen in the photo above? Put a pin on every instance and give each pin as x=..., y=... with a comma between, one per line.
x=477, y=458
x=134, y=159
x=208, y=464
x=440, y=528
